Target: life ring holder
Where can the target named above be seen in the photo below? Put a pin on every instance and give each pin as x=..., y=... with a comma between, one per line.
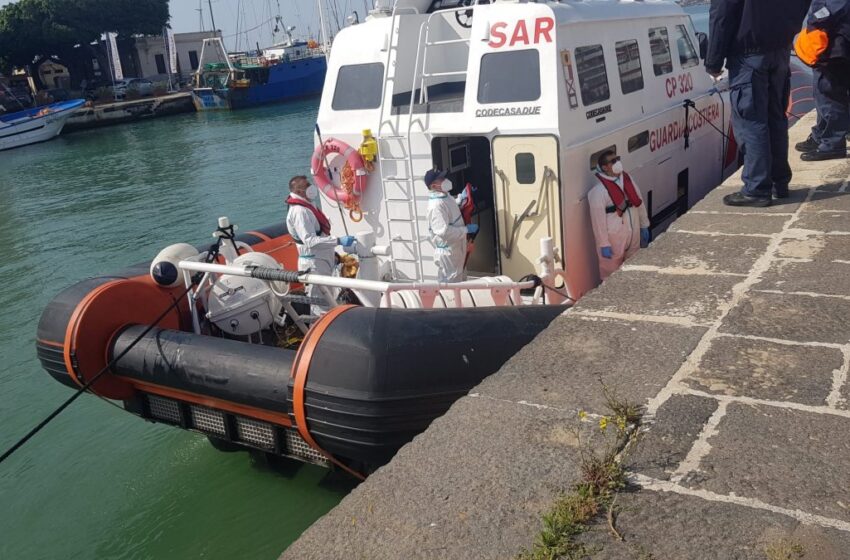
x=353, y=176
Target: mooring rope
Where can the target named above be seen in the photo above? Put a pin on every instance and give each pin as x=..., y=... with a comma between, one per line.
x=94, y=379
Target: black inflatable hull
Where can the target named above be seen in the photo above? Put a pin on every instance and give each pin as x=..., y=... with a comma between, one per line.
x=376, y=379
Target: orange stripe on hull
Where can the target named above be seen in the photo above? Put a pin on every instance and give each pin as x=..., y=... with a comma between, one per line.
x=299, y=372
x=279, y=418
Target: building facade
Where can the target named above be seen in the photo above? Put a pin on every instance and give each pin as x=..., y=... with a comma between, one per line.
x=151, y=57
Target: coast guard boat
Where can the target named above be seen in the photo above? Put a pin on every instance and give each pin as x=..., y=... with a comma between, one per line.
x=515, y=98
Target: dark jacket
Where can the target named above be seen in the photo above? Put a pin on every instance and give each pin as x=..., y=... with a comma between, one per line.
x=751, y=26
x=833, y=16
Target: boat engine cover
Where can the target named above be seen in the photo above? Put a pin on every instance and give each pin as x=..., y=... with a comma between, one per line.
x=242, y=306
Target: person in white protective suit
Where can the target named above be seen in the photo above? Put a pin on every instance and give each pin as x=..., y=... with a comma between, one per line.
x=446, y=227
x=617, y=213
x=310, y=229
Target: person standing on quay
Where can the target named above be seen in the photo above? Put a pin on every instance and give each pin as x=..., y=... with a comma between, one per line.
x=753, y=38
x=831, y=74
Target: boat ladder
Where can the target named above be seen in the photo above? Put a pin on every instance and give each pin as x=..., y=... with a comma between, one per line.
x=396, y=150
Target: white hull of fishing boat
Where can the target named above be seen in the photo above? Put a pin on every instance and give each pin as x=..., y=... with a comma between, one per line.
x=30, y=127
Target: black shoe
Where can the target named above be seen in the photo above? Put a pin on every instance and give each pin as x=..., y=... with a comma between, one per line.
x=818, y=155
x=780, y=191
x=810, y=145
x=741, y=199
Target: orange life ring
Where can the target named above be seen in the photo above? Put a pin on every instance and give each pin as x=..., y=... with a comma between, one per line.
x=354, y=173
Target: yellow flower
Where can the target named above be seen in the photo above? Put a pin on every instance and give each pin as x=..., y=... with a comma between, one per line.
x=582, y=415
x=621, y=423
x=603, y=423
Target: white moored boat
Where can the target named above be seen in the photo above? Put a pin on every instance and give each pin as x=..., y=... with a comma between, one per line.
x=515, y=98
x=35, y=125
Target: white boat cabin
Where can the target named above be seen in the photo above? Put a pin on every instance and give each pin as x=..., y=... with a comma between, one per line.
x=519, y=98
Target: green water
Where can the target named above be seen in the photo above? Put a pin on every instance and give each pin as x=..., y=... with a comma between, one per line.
x=98, y=482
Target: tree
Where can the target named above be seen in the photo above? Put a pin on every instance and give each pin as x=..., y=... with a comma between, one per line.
x=33, y=30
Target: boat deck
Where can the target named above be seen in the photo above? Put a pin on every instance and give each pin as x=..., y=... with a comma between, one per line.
x=731, y=330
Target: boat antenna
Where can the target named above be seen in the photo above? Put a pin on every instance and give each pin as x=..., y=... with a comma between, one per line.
x=200, y=10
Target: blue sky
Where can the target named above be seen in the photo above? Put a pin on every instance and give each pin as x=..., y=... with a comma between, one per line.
x=303, y=14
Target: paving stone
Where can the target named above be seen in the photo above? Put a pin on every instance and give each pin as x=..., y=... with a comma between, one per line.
x=819, y=172
x=760, y=223
x=473, y=486
x=824, y=221
x=667, y=526
x=828, y=201
x=788, y=458
x=817, y=247
x=670, y=435
x=838, y=170
x=702, y=253
x=767, y=370
x=694, y=297
x=818, y=277
x=714, y=202
x=790, y=317
x=567, y=363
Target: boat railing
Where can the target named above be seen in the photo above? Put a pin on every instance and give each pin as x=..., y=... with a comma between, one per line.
x=271, y=61
x=485, y=291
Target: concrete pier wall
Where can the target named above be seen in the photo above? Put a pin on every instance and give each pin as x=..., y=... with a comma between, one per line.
x=129, y=111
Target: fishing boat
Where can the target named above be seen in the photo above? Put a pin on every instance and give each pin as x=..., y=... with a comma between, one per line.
x=286, y=71
x=39, y=124
x=515, y=99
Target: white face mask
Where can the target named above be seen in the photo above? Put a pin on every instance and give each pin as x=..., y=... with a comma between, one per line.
x=446, y=186
x=617, y=168
x=312, y=192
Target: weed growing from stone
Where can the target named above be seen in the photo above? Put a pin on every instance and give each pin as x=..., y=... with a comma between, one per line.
x=785, y=549
x=602, y=477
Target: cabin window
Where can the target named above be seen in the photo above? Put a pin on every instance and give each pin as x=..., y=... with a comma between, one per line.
x=160, y=64
x=638, y=141
x=359, y=86
x=592, y=74
x=659, y=45
x=509, y=77
x=628, y=60
x=525, y=169
x=687, y=53
x=594, y=158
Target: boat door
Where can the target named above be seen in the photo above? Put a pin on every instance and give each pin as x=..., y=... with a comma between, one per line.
x=528, y=200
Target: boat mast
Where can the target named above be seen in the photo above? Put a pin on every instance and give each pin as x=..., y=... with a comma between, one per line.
x=212, y=16
x=326, y=43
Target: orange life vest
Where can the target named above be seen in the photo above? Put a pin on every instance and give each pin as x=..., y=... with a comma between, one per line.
x=621, y=202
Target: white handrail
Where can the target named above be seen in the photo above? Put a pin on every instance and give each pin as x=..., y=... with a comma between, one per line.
x=354, y=283
x=501, y=291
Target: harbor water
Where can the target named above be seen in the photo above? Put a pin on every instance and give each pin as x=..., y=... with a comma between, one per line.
x=98, y=482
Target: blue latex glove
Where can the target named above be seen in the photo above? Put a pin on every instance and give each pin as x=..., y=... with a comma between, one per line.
x=472, y=229
x=461, y=198
x=607, y=252
x=644, y=236
x=347, y=240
